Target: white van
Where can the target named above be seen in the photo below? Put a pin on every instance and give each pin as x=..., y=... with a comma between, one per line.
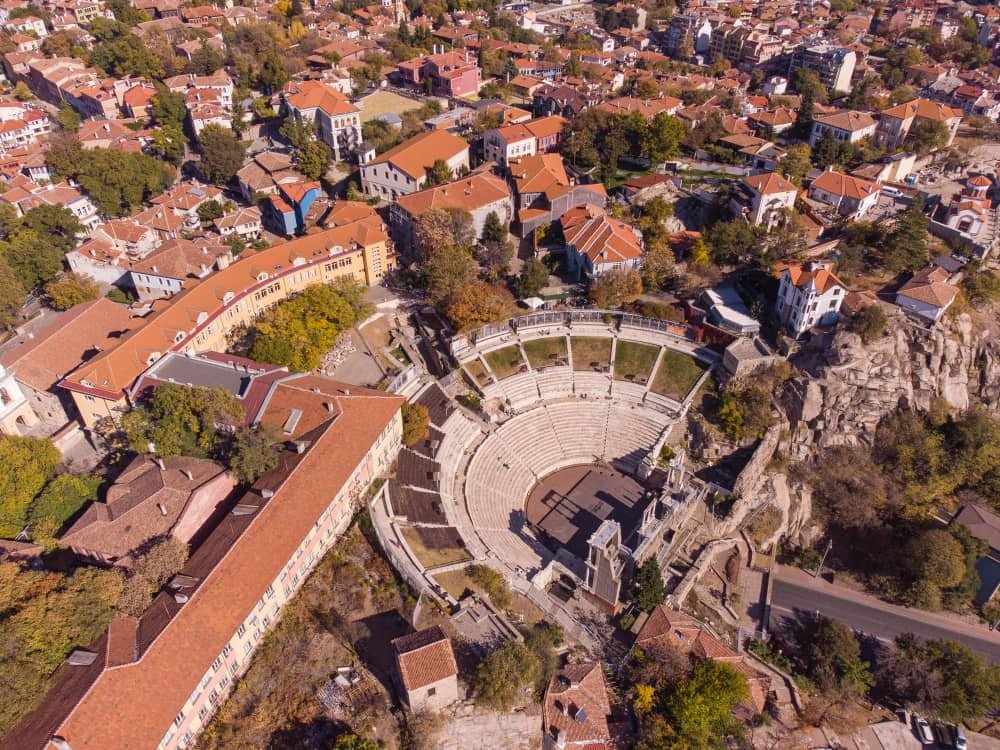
x=892, y=192
x=960, y=742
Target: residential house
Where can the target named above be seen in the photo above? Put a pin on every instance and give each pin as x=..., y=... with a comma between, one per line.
x=665, y=631
x=648, y=108
x=34, y=363
x=245, y=223
x=336, y=120
x=538, y=136
x=199, y=635
x=201, y=316
x=290, y=205
x=455, y=73
x=426, y=670
x=264, y=173
x=927, y=293
x=763, y=199
x=843, y=127
x=851, y=197
x=984, y=524
x=544, y=192
x=404, y=169
x=481, y=194
x=808, y=295
x=897, y=123
x=576, y=709
x=597, y=243
x=150, y=499
x=174, y=264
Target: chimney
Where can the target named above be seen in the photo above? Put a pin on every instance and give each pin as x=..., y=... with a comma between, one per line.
x=159, y=462
x=160, y=507
x=187, y=473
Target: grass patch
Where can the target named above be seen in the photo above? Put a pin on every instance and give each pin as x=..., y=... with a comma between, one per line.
x=400, y=355
x=477, y=372
x=382, y=102
x=676, y=375
x=546, y=352
x=504, y=362
x=591, y=353
x=455, y=582
x=433, y=557
x=634, y=362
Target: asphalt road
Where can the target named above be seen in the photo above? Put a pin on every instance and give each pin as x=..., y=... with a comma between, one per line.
x=793, y=594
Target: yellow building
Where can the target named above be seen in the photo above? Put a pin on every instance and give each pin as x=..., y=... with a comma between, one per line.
x=202, y=316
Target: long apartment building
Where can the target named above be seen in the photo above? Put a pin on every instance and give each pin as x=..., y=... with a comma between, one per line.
x=202, y=316
x=155, y=682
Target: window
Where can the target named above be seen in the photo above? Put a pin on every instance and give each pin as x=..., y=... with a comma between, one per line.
x=202, y=713
x=179, y=719
x=226, y=650
x=241, y=631
x=431, y=692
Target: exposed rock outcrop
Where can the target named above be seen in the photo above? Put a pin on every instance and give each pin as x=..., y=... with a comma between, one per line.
x=851, y=386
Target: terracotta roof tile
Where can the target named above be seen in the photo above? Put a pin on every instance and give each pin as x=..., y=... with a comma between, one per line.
x=424, y=657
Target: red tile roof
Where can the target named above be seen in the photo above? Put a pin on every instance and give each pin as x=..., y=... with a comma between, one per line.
x=424, y=657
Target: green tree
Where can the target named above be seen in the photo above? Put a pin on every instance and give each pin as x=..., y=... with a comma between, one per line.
x=662, y=138
x=299, y=331
x=11, y=295
x=126, y=13
x=827, y=150
x=833, y=656
x=981, y=286
x=493, y=228
x=730, y=241
x=180, y=420
x=353, y=742
x=68, y=118
x=504, y=674
x=255, y=451
x=222, y=154
x=439, y=173
x=929, y=135
x=534, y=276
x=71, y=290
x=701, y=707
x=650, y=591
x=206, y=60
x=449, y=269
x=210, y=210
x=63, y=497
x=907, y=247
x=167, y=107
x=870, y=323
x=168, y=143
x=22, y=93
x=25, y=466
x=658, y=267
x=416, y=423
x=121, y=53
x=314, y=159
x=745, y=412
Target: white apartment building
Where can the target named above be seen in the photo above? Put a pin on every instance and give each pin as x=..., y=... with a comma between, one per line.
x=808, y=296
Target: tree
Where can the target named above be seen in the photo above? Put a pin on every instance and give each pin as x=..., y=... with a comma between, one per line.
x=730, y=241
x=126, y=13
x=796, y=163
x=222, y=154
x=848, y=487
x=493, y=584
x=151, y=570
x=68, y=118
x=314, y=159
x=439, y=173
x=448, y=270
x=701, y=707
x=869, y=323
x=534, y=276
x=745, y=412
x=700, y=254
x=658, y=267
x=981, y=286
x=416, y=423
x=210, y=210
x=493, y=229
x=573, y=67
x=22, y=93
x=167, y=107
x=25, y=466
x=907, y=248
x=478, y=303
x=616, y=288
x=827, y=150
x=300, y=330
x=63, y=497
x=833, y=656
x=205, y=60
x=297, y=132
x=180, y=420
x=353, y=742
x=929, y=135
x=255, y=451
x=444, y=227
x=168, y=143
x=650, y=591
x=495, y=257
x=936, y=560
x=121, y=53
x=662, y=138
x=11, y=295
x=71, y=290
x=503, y=675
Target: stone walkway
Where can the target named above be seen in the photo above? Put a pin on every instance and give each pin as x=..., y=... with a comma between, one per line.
x=467, y=728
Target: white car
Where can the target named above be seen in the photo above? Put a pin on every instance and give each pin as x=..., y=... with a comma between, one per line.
x=923, y=730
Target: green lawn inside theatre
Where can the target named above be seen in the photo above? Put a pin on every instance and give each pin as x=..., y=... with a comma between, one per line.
x=591, y=353
x=545, y=352
x=504, y=362
x=634, y=362
x=676, y=375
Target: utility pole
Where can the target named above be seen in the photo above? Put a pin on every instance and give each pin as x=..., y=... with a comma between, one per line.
x=822, y=560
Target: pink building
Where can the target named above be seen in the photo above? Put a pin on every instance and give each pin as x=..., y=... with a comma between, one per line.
x=453, y=73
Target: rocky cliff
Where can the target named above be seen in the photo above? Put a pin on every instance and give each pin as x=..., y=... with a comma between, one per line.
x=848, y=387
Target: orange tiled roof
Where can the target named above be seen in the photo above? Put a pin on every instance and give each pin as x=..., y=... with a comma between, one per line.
x=417, y=155
x=823, y=279
x=424, y=657
x=471, y=193
x=577, y=707
x=769, y=183
x=923, y=108
x=838, y=183
x=600, y=237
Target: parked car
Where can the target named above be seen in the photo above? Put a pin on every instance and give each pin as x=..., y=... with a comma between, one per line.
x=944, y=735
x=961, y=743
x=923, y=730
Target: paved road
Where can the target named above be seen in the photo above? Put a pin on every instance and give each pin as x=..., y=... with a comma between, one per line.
x=794, y=592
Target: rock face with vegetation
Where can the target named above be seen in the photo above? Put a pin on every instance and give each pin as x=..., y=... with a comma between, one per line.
x=848, y=387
